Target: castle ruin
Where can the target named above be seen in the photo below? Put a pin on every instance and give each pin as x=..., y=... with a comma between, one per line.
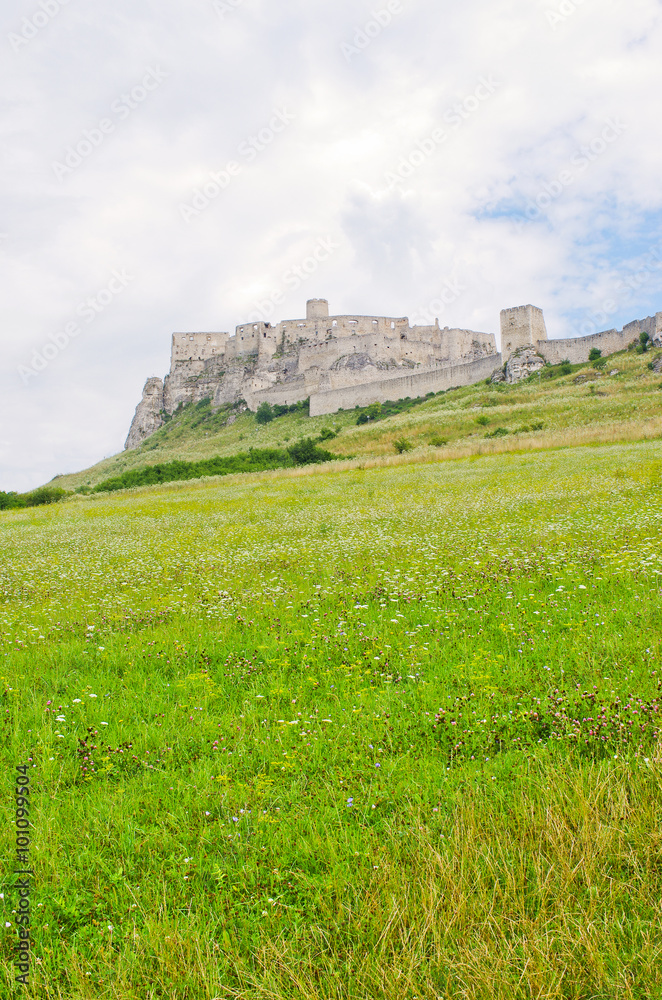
x=339, y=362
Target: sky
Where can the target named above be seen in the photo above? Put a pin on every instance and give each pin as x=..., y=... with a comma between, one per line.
x=178, y=165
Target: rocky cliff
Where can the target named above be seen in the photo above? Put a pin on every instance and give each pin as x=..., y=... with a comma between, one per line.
x=149, y=413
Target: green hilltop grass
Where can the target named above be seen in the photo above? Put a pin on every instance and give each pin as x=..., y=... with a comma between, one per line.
x=385, y=732
x=624, y=406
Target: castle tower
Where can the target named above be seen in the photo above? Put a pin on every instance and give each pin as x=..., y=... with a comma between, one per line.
x=523, y=326
x=317, y=309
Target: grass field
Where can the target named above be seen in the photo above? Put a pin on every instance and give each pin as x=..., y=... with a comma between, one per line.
x=342, y=733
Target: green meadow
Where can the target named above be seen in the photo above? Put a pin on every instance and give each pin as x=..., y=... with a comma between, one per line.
x=342, y=731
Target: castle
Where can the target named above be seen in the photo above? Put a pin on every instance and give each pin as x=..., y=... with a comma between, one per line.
x=339, y=362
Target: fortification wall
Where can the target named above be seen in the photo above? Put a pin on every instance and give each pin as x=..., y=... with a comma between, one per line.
x=294, y=331
x=652, y=325
x=576, y=349
x=197, y=346
x=294, y=392
x=325, y=354
x=446, y=346
x=401, y=386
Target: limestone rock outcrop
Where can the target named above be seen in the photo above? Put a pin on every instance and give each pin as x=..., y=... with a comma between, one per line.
x=149, y=413
x=522, y=363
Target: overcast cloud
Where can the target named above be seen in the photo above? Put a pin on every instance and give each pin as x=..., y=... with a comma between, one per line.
x=499, y=152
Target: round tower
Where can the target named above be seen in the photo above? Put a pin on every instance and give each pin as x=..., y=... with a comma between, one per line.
x=317, y=309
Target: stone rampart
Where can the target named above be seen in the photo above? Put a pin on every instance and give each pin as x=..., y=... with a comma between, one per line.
x=399, y=386
x=576, y=349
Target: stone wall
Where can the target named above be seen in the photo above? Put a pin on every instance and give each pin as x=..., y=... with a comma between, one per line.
x=652, y=325
x=576, y=349
x=394, y=387
x=197, y=346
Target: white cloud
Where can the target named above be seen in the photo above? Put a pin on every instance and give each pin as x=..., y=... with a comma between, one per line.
x=454, y=219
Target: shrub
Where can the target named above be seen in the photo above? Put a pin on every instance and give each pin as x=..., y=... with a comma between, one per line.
x=438, y=442
x=482, y=420
x=303, y=406
x=565, y=368
x=11, y=501
x=38, y=497
x=498, y=432
x=402, y=444
x=326, y=434
x=372, y=412
x=44, y=495
x=594, y=354
x=306, y=452
x=265, y=413
x=643, y=340
x=303, y=452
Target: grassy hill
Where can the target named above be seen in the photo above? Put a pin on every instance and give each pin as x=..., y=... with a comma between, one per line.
x=387, y=727
x=588, y=404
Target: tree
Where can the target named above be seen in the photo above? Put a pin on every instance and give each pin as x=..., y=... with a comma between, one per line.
x=265, y=413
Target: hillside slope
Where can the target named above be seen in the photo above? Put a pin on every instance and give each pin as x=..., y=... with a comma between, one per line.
x=367, y=733
x=589, y=404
